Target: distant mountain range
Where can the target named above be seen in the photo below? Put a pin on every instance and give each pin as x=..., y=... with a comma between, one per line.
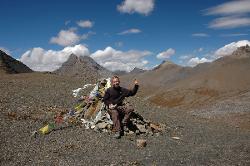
x=120, y=72
x=137, y=71
x=172, y=85
x=168, y=84
x=10, y=65
x=134, y=71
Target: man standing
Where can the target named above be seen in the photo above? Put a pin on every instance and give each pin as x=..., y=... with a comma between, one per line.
x=113, y=99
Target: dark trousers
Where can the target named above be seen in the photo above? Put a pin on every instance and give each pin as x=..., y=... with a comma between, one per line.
x=119, y=115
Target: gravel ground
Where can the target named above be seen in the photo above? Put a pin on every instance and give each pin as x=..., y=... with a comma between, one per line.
x=27, y=101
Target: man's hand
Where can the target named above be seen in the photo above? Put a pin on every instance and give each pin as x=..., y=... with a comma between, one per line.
x=112, y=106
x=135, y=82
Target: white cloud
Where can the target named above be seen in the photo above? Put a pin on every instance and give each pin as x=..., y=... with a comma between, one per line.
x=234, y=15
x=233, y=35
x=233, y=7
x=200, y=35
x=195, y=61
x=130, y=31
x=66, y=38
x=85, y=23
x=229, y=22
x=69, y=37
x=230, y=48
x=183, y=60
x=166, y=54
x=192, y=60
x=39, y=59
x=185, y=57
x=118, y=60
x=145, y=62
x=144, y=7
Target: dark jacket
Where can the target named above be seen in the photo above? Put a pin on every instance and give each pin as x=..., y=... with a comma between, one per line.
x=117, y=95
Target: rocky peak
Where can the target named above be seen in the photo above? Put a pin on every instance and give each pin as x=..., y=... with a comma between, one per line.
x=137, y=71
x=72, y=59
x=243, y=51
x=120, y=72
x=166, y=64
x=11, y=65
x=82, y=66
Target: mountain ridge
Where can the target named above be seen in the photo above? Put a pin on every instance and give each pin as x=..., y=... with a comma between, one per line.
x=83, y=66
x=9, y=65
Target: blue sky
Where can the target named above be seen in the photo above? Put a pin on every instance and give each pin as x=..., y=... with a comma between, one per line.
x=180, y=30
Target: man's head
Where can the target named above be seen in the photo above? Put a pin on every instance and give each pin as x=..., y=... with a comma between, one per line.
x=115, y=81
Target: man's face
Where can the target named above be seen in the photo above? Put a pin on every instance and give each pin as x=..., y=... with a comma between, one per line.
x=116, y=82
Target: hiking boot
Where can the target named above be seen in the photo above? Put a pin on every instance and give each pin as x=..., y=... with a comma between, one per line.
x=117, y=135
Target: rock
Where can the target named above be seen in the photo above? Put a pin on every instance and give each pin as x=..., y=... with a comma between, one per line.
x=136, y=126
x=129, y=132
x=141, y=143
x=140, y=122
x=155, y=127
x=34, y=134
x=12, y=115
x=101, y=125
x=142, y=128
x=157, y=134
x=176, y=138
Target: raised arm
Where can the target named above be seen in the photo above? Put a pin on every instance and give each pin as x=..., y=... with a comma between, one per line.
x=134, y=90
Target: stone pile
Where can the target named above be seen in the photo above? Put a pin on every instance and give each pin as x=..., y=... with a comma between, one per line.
x=138, y=125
